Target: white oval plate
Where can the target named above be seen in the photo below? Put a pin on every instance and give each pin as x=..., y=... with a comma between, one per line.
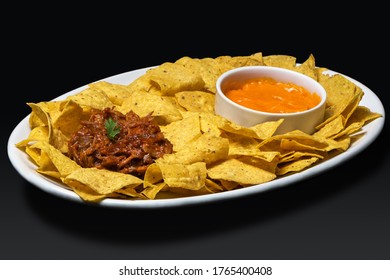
x=27, y=169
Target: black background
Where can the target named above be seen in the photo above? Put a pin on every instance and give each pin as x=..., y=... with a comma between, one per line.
x=341, y=214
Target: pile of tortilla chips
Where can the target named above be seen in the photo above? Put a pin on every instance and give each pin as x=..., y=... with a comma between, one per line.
x=211, y=154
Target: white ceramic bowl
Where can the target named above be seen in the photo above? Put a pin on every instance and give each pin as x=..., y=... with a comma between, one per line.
x=305, y=121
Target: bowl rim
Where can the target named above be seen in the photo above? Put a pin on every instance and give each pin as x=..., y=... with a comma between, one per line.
x=219, y=92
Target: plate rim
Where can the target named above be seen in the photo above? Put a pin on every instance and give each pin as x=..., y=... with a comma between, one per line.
x=44, y=183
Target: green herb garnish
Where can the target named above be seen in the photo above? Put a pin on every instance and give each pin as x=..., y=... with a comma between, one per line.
x=112, y=128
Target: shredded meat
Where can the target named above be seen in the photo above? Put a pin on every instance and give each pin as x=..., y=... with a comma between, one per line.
x=136, y=146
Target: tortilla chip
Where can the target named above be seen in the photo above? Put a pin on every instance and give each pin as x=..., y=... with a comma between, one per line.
x=115, y=92
x=181, y=132
x=283, y=61
x=343, y=97
x=143, y=104
x=237, y=171
x=93, y=98
x=170, y=78
x=296, y=166
x=101, y=181
x=62, y=163
x=206, y=148
x=191, y=176
x=196, y=101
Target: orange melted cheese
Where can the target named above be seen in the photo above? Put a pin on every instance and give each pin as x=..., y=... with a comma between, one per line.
x=268, y=95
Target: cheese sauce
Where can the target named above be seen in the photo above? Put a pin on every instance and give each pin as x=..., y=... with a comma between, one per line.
x=268, y=95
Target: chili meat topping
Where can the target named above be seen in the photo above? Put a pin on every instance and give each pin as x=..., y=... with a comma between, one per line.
x=119, y=142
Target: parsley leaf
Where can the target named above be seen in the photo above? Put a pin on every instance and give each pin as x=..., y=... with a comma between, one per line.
x=112, y=128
